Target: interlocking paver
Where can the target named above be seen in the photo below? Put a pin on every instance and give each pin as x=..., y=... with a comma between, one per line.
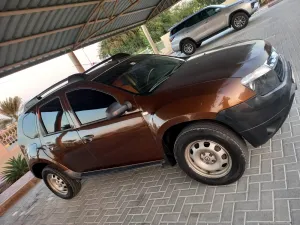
x=266, y=200
x=282, y=211
x=246, y=206
x=253, y=191
x=267, y=194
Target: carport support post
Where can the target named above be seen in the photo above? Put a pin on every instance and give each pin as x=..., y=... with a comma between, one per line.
x=76, y=62
x=149, y=38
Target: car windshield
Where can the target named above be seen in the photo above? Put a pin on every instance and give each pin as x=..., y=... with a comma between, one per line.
x=140, y=74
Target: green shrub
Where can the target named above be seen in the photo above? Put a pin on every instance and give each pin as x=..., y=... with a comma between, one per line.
x=15, y=168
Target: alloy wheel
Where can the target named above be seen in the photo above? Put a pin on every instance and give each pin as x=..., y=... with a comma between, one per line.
x=240, y=21
x=188, y=48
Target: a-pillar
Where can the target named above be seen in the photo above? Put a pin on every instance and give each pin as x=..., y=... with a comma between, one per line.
x=76, y=62
x=150, y=40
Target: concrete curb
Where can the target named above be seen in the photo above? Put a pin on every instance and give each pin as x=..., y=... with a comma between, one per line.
x=16, y=191
x=274, y=3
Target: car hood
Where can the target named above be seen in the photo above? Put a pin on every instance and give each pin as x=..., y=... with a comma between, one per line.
x=234, y=60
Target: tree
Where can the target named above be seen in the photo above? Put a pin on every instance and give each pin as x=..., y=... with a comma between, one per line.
x=15, y=168
x=10, y=108
x=134, y=40
x=130, y=42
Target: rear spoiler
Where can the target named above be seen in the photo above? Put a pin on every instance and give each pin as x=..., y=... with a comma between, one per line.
x=71, y=79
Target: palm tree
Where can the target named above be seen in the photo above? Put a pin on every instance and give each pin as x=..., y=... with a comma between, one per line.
x=10, y=108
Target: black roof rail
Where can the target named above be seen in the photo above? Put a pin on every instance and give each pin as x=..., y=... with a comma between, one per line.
x=116, y=57
x=71, y=79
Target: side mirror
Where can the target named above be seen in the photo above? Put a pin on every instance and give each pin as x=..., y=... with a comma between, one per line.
x=116, y=109
x=217, y=10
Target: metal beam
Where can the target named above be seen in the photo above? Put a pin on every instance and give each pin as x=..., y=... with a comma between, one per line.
x=114, y=32
x=49, y=8
x=162, y=8
x=67, y=48
x=109, y=22
x=89, y=19
x=113, y=10
x=15, y=41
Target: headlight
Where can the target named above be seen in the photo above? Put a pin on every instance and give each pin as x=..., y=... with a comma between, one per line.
x=263, y=80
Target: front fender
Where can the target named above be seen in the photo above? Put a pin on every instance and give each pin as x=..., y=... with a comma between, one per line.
x=204, y=105
x=181, y=119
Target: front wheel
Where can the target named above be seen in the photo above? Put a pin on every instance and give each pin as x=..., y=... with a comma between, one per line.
x=239, y=21
x=211, y=153
x=60, y=184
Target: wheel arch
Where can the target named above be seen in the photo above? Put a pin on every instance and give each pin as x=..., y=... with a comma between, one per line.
x=37, y=169
x=235, y=12
x=171, y=134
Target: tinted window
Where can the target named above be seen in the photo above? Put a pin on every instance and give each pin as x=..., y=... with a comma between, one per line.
x=209, y=12
x=89, y=105
x=140, y=74
x=53, y=117
x=29, y=125
x=177, y=28
x=193, y=20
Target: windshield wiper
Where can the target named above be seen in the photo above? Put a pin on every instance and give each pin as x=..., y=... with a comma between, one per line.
x=165, y=77
x=159, y=82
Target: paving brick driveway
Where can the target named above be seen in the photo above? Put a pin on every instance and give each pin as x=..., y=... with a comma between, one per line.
x=268, y=193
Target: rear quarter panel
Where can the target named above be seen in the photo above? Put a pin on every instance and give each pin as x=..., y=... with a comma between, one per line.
x=245, y=6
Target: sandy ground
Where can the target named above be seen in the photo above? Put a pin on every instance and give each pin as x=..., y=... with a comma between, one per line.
x=7, y=154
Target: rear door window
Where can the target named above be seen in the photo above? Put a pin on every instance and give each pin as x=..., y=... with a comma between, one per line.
x=53, y=117
x=209, y=12
x=194, y=20
x=29, y=125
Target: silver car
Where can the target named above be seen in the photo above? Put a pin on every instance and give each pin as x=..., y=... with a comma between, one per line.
x=187, y=35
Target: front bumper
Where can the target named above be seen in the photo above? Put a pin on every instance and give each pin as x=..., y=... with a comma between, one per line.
x=175, y=47
x=259, y=118
x=254, y=8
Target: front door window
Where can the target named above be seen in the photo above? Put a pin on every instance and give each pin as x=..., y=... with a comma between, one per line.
x=89, y=105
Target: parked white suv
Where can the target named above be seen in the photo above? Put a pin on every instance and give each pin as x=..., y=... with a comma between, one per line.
x=187, y=35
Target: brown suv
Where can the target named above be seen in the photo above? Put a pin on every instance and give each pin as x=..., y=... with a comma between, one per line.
x=134, y=110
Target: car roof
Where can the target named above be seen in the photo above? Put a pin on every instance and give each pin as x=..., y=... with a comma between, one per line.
x=186, y=18
x=96, y=69
x=88, y=75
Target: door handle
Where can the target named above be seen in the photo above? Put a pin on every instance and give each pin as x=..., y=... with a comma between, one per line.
x=88, y=138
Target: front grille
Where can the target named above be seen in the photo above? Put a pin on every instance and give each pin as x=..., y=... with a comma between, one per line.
x=279, y=70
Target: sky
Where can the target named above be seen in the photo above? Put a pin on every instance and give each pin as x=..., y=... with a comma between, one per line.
x=33, y=80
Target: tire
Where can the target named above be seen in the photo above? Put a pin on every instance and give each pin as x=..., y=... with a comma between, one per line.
x=239, y=21
x=210, y=135
x=72, y=186
x=188, y=47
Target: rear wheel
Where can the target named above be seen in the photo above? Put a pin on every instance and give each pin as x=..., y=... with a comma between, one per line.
x=60, y=184
x=188, y=47
x=239, y=21
x=211, y=153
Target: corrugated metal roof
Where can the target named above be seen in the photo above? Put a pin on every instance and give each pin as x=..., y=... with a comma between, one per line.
x=33, y=31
